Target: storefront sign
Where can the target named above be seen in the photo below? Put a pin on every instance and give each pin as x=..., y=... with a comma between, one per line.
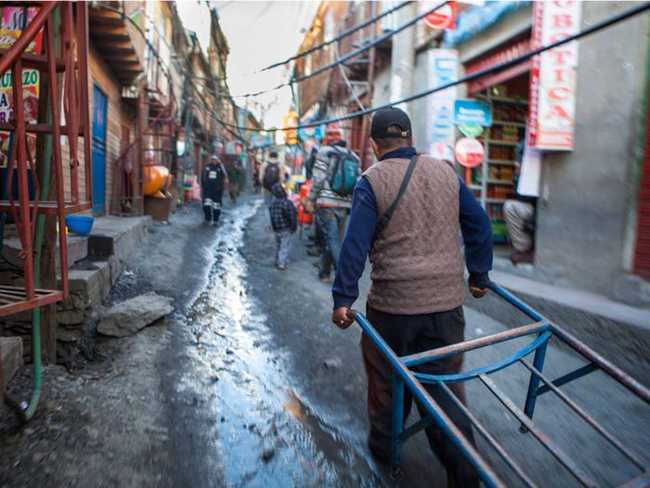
x=469, y=152
x=472, y=112
x=553, y=76
x=444, y=69
x=12, y=21
x=442, y=18
x=470, y=129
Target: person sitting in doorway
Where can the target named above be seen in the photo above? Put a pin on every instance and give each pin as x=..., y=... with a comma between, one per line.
x=519, y=211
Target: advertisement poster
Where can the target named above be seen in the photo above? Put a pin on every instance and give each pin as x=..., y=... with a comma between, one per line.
x=444, y=69
x=13, y=20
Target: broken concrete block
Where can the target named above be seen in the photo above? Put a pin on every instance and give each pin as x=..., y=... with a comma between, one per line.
x=11, y=355
x=128, y=317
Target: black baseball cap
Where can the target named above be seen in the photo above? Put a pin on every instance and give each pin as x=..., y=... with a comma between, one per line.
x=390, y=122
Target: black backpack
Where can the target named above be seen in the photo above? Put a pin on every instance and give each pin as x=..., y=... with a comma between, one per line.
x=271, y=176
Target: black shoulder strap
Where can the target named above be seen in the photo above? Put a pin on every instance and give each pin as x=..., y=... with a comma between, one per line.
x=384, y=219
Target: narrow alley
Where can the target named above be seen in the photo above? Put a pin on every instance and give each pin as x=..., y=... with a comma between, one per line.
x=324, y=244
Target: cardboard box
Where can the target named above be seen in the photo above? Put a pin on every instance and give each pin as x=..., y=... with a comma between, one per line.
x=158, y=208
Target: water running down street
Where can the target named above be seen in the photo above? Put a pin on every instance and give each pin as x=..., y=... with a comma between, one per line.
x=287, y=390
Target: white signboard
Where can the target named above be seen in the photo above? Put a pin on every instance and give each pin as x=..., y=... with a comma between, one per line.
x=444, y=69
x=553, y=76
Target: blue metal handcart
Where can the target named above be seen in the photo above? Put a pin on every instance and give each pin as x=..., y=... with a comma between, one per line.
x=542, y=330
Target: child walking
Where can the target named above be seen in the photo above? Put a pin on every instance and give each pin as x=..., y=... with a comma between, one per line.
x=284, y=221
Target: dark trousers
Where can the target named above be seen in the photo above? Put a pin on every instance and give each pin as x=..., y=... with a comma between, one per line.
x=330, y=222
x=409, y=334
x=212, y=202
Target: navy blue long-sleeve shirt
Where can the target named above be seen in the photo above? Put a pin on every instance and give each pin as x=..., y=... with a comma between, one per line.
x=474, y=224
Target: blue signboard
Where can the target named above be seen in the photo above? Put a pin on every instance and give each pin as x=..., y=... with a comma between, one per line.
x=472, y=112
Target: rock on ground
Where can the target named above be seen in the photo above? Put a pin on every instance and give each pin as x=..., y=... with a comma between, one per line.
x=128, y=317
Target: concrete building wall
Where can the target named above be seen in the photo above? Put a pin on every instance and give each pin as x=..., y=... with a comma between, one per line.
x=420, y=108
x=381, y=87
x=587, y=193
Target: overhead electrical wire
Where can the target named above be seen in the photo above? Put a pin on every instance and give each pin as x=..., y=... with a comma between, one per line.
x=167, y=74
x=340, y=36
x=474, y=76
x=347, y=57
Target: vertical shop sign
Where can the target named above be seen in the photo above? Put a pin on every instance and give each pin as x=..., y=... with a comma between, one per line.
x=553, y=76
x=12, y=22
x=444, y=69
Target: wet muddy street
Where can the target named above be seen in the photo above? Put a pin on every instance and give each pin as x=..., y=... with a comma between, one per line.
x=276, y=394
x=249, y=384
x=258, y=428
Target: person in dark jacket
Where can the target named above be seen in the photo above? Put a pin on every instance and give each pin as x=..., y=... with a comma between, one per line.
x=213, y=181
x=416, y=299
x=284, y=221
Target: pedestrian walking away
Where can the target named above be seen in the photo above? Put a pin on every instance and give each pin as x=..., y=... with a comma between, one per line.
x=271, y=173
x=213, y=181
x=284, y=221
x=407, y=213
x=334, y=174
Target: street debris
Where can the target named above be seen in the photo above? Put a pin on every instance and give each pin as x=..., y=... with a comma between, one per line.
x=130, y=316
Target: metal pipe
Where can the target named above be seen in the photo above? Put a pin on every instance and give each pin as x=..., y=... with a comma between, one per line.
x=616, y=373
x=485, y=472
x=585, y=416
x=626, y=380
x=537, y=344
x=488, y=437
x=443, y=352
x=538, y=434
x=567, y=378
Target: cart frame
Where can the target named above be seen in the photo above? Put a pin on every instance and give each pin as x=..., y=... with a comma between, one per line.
x=542, y=330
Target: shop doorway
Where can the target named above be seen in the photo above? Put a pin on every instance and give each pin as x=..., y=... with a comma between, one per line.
x=494, y=181
x=100, y=105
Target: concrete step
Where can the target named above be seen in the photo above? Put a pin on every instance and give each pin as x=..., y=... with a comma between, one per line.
x=77, y=250
x=92, y=279
x=11, y=357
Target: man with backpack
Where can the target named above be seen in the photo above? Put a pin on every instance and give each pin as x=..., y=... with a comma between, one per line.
x=334, y=175
x=213, y=181
x=271, y=173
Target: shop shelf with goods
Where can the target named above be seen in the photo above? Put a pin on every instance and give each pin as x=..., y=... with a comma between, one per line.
x=493, y=181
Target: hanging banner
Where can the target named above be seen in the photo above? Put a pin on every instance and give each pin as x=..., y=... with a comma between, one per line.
x=12, y=22
x=553, y=76
x=444, y=69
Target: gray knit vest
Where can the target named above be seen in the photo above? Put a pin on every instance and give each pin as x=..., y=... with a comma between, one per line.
x=417, y=267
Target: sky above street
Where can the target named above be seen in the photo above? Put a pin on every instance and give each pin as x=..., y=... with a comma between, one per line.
x=259, y=33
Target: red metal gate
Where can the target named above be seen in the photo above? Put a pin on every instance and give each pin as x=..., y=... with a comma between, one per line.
x=63, y=61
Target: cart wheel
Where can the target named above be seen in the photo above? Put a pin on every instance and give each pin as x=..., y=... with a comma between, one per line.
x=523, y=429
x=395, y=473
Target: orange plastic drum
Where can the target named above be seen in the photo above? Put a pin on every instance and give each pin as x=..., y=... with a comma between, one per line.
x=155, y=179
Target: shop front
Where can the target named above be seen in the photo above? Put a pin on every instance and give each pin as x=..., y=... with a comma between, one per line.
x=576, y=126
